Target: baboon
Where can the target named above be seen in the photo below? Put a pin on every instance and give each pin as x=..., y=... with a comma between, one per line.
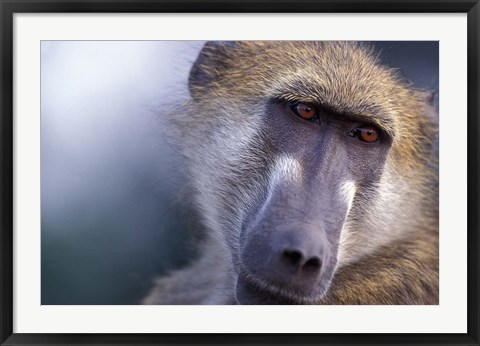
x=314, y=170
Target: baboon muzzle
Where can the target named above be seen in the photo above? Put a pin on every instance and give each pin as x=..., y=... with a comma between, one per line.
x=289, y=254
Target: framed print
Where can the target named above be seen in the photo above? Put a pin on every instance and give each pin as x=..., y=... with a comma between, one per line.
x=239, y=173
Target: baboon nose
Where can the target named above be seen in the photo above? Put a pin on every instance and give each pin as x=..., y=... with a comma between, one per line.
x=291, y=260
x=296, y=260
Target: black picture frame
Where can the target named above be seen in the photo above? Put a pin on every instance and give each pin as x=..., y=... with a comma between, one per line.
x=9, y=7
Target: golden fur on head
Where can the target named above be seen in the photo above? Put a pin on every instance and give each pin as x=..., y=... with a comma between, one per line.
x=252, y=71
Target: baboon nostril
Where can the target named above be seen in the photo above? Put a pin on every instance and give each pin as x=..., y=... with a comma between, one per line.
x=295, y=259
x=293, y=256
x=313, y=264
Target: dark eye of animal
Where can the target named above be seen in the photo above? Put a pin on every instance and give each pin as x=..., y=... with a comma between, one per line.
x=305, y=110
x=367, y=134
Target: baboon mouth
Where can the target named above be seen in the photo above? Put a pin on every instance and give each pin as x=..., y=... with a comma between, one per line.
x=248, y=293
x=251, y=293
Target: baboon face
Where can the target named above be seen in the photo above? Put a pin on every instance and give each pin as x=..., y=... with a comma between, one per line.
x=287, y=143
x=320, y=158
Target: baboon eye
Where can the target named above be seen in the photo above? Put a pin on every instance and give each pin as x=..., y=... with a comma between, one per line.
x=304, y=110
x=367, y=134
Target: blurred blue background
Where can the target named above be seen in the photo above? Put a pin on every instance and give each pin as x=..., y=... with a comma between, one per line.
x=110, y=184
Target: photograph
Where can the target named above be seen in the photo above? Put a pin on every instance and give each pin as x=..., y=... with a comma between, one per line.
x=251, y=172
x=239, y=173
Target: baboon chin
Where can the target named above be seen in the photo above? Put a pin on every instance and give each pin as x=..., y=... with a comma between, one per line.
x=313, y=168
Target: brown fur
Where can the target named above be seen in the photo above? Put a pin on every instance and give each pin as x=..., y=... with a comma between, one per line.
x=405, y=272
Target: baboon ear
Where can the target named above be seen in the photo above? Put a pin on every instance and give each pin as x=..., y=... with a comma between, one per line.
x=428, y=96
x=211, y=63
